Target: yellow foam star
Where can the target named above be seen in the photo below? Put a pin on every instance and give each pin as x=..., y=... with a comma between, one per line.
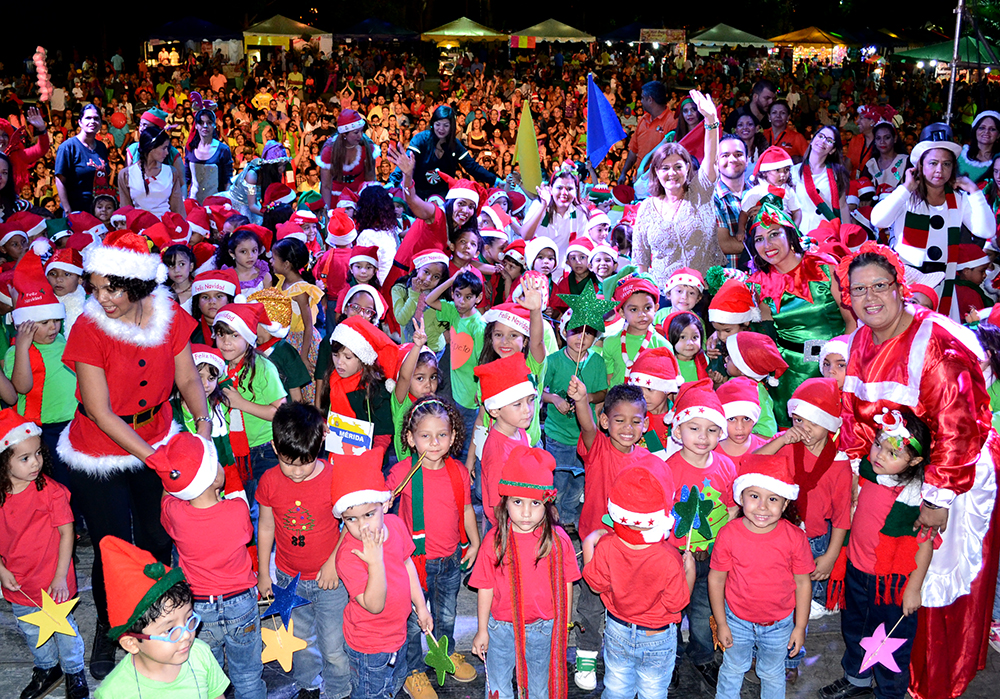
x=279, y=644
x=51, y=618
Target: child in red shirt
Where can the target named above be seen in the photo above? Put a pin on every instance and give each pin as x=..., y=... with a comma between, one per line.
x=379, y=576
x=218, y=568
x=296, y=518
x=759, y=583
x=741, y=406
x=656, y=372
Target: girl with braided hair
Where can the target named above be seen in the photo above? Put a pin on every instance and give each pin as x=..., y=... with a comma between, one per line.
x=147, y=183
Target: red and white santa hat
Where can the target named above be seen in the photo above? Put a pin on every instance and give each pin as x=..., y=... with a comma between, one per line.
x=14, y=428
x=352, y=291
x=364, y=253
x=837, y=345
x=429, y=257
x=655, y=368
x=35, y=299
x=276, y=194
x=367, y=342
x=773, y=158
x=606, y=248
x=493, y=234
x=859, y=188
x=177, y=228
x=515, y=251
x=350, y=120
x=622, y=195
x=304, y=217
x=740, y=398
x=968, y=256
x=223, y=280
x=8, y=230
x=6, y=280
x=291, y=230
x=597, y=217
x=204, y=257
x=756, y=356
x=513, y=315
x=243, y=318
x=464, y=189
x=686, y=276
x=198, y=222
x=203, y=354
x=696, y=399
x=817, y=400
x=581, y=244
x=517, y=202
x=496, y=195
x=504, y=381
x=528, y=473
x=28, y=223
x=358, y=480
x=635, y=284
x=347, y=199
x=66, y=259
x=340, y=229
x=136, y=220
x=733, y=305
x=124, y=254
x=771, y=472
x=187, y=465
x=82, y=222
x=499, y=218
x=638, y=499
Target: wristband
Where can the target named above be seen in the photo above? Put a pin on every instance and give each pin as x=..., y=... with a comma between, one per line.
x=203, y=419
x=712, y=127
x=931, y=506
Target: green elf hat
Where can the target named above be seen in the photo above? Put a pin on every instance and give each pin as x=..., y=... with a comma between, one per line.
x=57, y=228
x=587, y=308
x=309, y=199
x=771, y=215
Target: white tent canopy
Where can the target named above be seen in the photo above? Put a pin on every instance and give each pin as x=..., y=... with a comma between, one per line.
x=552, y=30
x=724, y=35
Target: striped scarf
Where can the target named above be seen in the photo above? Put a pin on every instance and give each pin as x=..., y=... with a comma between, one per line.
x=417, y=506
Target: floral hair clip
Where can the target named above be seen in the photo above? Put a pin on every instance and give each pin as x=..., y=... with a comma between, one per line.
x=895, y=431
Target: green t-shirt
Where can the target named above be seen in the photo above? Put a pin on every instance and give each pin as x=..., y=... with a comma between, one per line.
x=564, y=428
x=199, y=678
x=59, y=391
x=689, y=369
x=264, y=390
x=463, y=379
x=613, y=353
x=291, y=369
x=767, y=425
x=399, y=411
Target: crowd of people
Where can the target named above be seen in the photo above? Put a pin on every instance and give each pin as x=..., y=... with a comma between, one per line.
x=746, y=366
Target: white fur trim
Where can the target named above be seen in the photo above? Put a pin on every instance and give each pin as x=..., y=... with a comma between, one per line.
x=208, y=469
x=789, y=491
x=102, y=466
x=832, y=347
x=371, y=291
x=40, y=313
x=463, y=193
x=742, y=408
x=775, y=165
x=106, y=261
x=733, y=346
x=509, y=319
x=297, y=236
x=701, y=411
x=493, y=232
x=3, y=240
x=598, y=220
x=5, y=298
x=373, y=261
x=635, y=519
x=492, y=214
x=20, y=433
x=207, y=266
x=64, y=266
x=150, y=336
x=195, y=228
x=277, y=330
x=347, y=204
x=974, y=263
x=509, y=395
x=657, y=383
x=211, y=359
x=346, y=239
x=429, y=259
x=750, y=316
x=352, y=126
x=685, y=279
x=200, y=287
x=356, y=342
x=812, y=413
x=239, y=325
x=359, y=497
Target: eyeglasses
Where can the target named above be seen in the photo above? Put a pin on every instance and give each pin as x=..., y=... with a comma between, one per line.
x=826, y=139
x=175, y=634
x=357, y=310
x=878, y=288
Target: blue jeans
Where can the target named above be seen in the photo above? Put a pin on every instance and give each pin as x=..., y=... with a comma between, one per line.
x=500, y=659
x=231, y=628
x=444, y=577
x=637, y=662
x=262, y=458
x=818, y=545
x=376, y=675
x=469, y=420
x=700, y=646
x=323, y=663
x=771, y=643
x=62, y=650
x=568, y=481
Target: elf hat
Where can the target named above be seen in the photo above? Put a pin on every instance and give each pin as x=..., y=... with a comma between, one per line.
x=600, y=192
x=817, y=400
x=513, y=315
x=187, y=464
x=580, y=244
x=349, y=120
x=527, y=473
x=14, y=428
x=637, y=499
x=535, y=246
x=969, y=256
x=429, y=257
x=203, y=354
x=655, y=368
x=155, y=116
x=837, y=345
x=277, y=305
x=347, y=199
x=515, y=251
x=504, y=381
x=178, y=228
x=224, y=280
x=243, y=318
x=635, y=284
x=697, y=399
x=35, y=299
x=124, y=254
x=687, y=277
x=733, y=305
x=276, y=194
x=499, y=218
x=340, y=229
x=197, y=220
x=28, y=223
x=358, y=480
x=57, y=229
x=371, y=290
x=135, y=581
x=756, y=356
x=367, y=342
x=8, y=230
x=597, y=217
x=66, y=259
x=773, y=473
x=774, y=158
x=739, y=398
x=364, y=253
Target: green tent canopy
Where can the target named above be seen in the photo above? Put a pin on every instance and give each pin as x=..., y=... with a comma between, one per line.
x=463, y=29
x=724, y=35
x=970, y=51
x=552, y=30
x=279, y=25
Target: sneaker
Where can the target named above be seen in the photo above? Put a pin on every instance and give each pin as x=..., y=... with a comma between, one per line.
x=995, y=636
x=464, y=672
x=417, y=686
x=585, y=676
x=818, y=611
x=42, y=682
x=308, y=693
x=842, y=689
x=76, y=686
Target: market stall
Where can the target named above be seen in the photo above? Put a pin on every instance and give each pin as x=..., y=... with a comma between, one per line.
x=286, y=33
x=813, y=43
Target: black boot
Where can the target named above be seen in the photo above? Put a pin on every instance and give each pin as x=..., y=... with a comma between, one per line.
x=842, y=689
x=76, y=686
x=709, y=672
x=308, y=694
x=42, y=682
x=102, y=656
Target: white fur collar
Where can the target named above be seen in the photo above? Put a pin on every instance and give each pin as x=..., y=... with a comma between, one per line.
x=150, y=336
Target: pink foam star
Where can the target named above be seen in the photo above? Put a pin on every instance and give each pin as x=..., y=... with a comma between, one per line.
x=879, y=649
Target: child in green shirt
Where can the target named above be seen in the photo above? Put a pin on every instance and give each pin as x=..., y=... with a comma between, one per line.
x=637, y=296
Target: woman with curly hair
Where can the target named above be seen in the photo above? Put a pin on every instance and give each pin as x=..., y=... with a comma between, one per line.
x=347, y=160
x=149, y=182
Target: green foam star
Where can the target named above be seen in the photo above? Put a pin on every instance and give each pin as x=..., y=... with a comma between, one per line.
x=437, y=657
x=588, y=309
x=691, y=513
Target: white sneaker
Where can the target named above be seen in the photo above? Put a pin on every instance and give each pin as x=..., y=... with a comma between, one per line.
x=585, y=676
x=818, y=611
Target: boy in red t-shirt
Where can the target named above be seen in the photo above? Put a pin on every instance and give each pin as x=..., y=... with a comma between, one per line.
x=296, y=517
x=218, y=568
x=639, y=506
x=379, y=576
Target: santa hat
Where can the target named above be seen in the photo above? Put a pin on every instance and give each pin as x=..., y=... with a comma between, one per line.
x=243, y=318
x=969, y=256
x=635, y=284
x=277, y=310
x=739, y=398
x=6, y=279
x=734, y=304
x=119, y=217
x=697, y=399
x=364, y=253
x=513, y=315
x=773, y=473
x=858, y=188
x=187, y=464
x=349, y=120
x=504, y=381
x=773, y=158
x=580, y=244
x=224, y=280
x=637, y=499
x=66, y=259
x=198, y=222
x=499, y=218
x=135, y=581
x=528, y=473
x=15, y=428
x=429, y=257
x=178, y=228
x=493, y=234
x=622, y=195
x=136, y=220
x=925, y=283
x=371, y=290
x=606, y=248
x=8, y=230
x=367, y=342
x=263, y=234
x=303, y=217
x=517, y=202
x=837, y=345
x=124, y=254
x=496, y=195
x=204, y=257
x=464, y=189
x=35, y=299
x=756, y=356
x=340, y=229
x=28, y=223
x=687, y=277
x=159, y=236
x=515, y=251
x=358, y=480
x=203, y=354
x=276, y=194
x=628, y=214
x=291, y=230
x=817, y=400
x=347, y=199
x=218, y=213
x=597, y=217
x=655, y=368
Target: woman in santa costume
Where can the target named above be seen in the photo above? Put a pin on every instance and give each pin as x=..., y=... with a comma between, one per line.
x=128, y=349
x=907, y=357
x=346, y=160
x=927, y=212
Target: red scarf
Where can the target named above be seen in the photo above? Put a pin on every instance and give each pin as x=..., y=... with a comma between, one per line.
x=206, y=332
x=237, y=429
x=33, y=399
x=339, y=388
x=807, y=480
x=826, y=210
x=265, y=346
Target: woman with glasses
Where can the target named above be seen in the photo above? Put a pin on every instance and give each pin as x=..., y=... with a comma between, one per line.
x=208, y=161
x=821, y=180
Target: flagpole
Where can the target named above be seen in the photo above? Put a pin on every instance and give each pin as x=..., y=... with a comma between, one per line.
x=959, y=11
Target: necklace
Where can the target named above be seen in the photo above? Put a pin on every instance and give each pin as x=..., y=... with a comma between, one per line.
x=197, y=687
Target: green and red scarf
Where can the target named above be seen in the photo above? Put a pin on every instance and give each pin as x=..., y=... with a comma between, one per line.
x=418, y=513
x=237, y=429
x=830, y=213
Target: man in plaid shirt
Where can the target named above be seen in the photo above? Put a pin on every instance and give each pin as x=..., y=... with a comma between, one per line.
x=728, y=192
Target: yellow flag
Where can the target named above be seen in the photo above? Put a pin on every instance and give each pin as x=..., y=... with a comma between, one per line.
x=526, y=153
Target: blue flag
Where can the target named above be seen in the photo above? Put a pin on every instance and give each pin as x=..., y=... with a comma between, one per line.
x=604, y=129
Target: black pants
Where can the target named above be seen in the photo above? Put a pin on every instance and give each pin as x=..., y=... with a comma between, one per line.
x=125, y=504
x=60, y=471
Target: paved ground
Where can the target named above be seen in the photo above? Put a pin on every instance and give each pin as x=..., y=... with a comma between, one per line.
x=822, y=665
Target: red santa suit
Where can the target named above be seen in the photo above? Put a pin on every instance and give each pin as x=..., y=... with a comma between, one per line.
x=352, y=174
